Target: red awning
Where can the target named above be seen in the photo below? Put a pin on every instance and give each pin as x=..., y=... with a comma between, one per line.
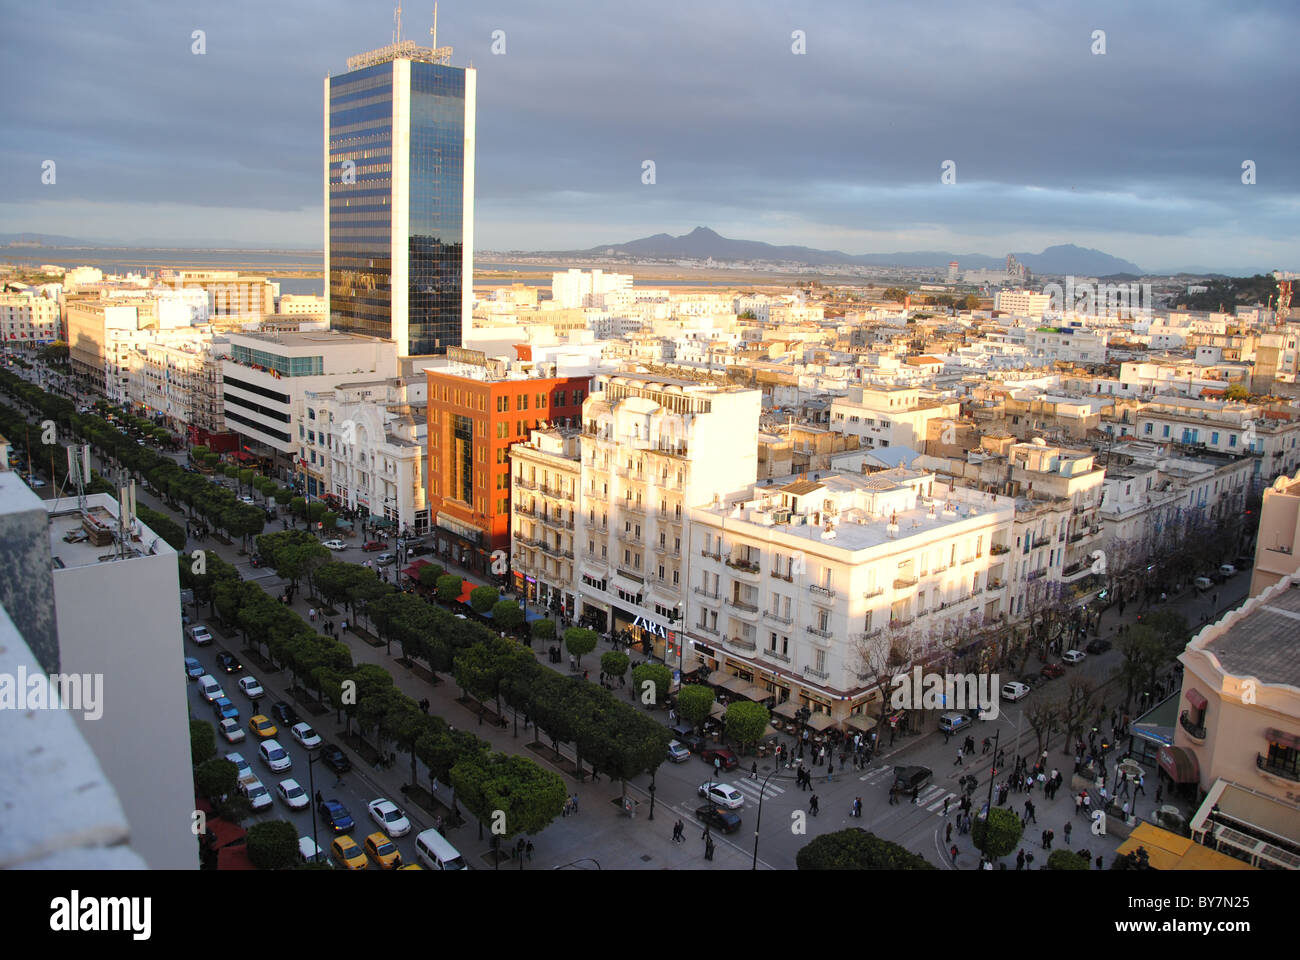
x=413, y=571
x=1195, y=699
x=1180, y=764
x=234, y=858
x=466, y=588
x=1283, y=739
x=224, y=833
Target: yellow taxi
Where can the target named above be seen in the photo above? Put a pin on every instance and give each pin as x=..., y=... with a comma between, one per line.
x=260, y=725
x=383, y=850
x=410, y=866
x=348, y=854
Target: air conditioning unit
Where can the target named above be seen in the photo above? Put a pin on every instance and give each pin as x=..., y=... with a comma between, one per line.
x=781, y=516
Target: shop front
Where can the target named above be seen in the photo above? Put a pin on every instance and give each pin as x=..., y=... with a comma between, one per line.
x=650, y=635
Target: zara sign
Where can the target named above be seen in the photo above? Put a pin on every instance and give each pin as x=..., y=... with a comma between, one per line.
x=646, y=624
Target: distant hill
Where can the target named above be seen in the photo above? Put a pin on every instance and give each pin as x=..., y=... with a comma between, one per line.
x=702, y=243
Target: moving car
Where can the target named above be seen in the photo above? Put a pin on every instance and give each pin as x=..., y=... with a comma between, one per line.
x=907, y=779
x=1226, y=571
x=248, y=500
x=223, y=709
x=258, y=796
x=387, y=814
x=274, y=756
x=292, y=793
x=244, y=771
x=334, y=545
x=335, y=758
x=193, y=669
x=722, y=794
x=262, y=727
x=436, y=853
x=348, y=854
x=305, y=735
x=677, y=753
x=718, y=818
x=200, y=635
x=1051, y=671
x=1074, y=656
x=250, y=687
x=726, y=759
x=1203, y=583
x=370, y=546
x=229, y=662
x=384, y=851
x=209, y=689
x=232, y=731
x=384, y=559
x=951, y=723
x=283, y=714
x=309, y=850
x=1100, y=645
x=1014, y=691
x=336, y=816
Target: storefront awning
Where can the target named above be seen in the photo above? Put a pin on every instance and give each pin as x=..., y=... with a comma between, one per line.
x=718, y=710
x=1283, y=739
x=820, y=721
x=728, y=681
x=1195, y=699
x=413, y=571
x=1179, y=763
x=786, y=708
x=861, y=722
x=466, y=588
x=752, y=691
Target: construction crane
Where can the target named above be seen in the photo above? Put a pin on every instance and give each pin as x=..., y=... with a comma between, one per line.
x=1283, y=295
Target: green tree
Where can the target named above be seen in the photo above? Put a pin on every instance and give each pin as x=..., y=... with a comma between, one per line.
x=231, y=471
x=694, y=703
x=507, y=615
x=330, y=520
x=1237, y=392
x=449, y=587
x=482, y=599
x=854, y=849
x=896, y=294
x=298, y=506
x=512, y=794
x=971, y=302
x=1067, y=860
x=273, y=844
x=997, y=835
x=430, y=574
x=580, y=640
x=614, y=663
x=652, y=681
x=543, y=630
x=217, y=777
x=203, y=742
x=745, y=722
x=246, y=479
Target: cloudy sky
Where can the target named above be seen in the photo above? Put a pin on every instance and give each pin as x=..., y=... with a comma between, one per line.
x=1137, y=152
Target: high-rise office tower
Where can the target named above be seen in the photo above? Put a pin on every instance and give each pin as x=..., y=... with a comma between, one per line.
x=399, y=197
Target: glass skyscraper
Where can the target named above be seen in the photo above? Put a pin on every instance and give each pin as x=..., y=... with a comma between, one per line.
x=399, y=202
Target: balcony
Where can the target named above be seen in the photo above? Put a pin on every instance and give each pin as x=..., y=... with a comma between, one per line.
x=525, y=511
x=557, y=522
x=666, y=585
x=814, y=672
x=1194, y=730
x=634, y=577
x=700, y=591
x=994, y=585
x=865, y=636
x=634, y=508
x=821, y=591
x=818, y=632
x=740, y=643
x=871, y=594
x=782, y=576
x=1041, y=542
x=1275, y=769
x=773, y=615
x=902, y=583
x=966, y=560
x=1037, y=574
x=744, y=565
x=712, y=631
x=555, y=493
x=743, y=606
x=710, y=556
x=526, y=484
x=775, y=655
x=898, y=624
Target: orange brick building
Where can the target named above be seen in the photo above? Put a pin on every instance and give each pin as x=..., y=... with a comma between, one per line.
x=473, y=420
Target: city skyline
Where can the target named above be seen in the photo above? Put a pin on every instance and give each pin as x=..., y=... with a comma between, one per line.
x=1137, y=152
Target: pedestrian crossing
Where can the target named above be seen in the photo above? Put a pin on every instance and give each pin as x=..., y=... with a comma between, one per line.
x=754, y=790
x=932, y=797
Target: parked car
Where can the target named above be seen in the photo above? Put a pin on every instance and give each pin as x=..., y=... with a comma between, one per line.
x=283, y=714
x=1014, y=691
x=242, y=770
x=251, y=688
x=389, y=816
x=370, y=546
x=419, y=550
x=1074, y=656
x=334, y=545
x=1226, y=571
x=335, y=758
x=336, y=816
x=200, y=635
x=685, y=734
x=256, y=560
x=677, y=753
x=1100, y=645
x=384, y=559
x=718, y=818
x=193, y=669
x=1051, y=671
x=907, y=779
x=722, y=794
x=726, y=759
x=229, y=662
x=1203, y=584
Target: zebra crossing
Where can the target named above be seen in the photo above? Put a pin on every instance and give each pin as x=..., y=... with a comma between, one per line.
x=753, y=789
x=932, y=797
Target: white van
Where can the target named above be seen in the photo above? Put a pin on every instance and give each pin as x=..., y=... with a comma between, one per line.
x=209, y=688
x=436, y=853
x=309, y=851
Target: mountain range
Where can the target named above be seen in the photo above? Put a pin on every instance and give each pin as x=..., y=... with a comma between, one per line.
x=702, y=243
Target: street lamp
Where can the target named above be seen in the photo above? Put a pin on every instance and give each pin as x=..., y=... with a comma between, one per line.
x=758, y=820
x=311, y=785
x=988, y=806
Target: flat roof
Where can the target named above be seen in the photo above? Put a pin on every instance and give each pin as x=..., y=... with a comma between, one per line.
x=65, y=519
x=1262, y=643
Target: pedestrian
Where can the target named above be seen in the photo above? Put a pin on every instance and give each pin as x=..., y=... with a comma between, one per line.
x=945, y=806
x=830, y=769
x=1160, y=788
x=1020, y=859
x=1067, y=833
x=1141, y=786
x=1042, y=840
x=705, y=834
x=915, y=793
x=319, y=798
x=812, y=804
x=947, y=833
x=1051, y=835
x=957, y=762
x=311, y=614
x=708, y=849
x=753, y=771
x=1099, y=861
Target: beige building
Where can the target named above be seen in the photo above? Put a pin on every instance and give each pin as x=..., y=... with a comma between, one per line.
x=234, y=299
x=546, y=476
x=882, y=416
x=1238, y=732
x=28, y=319
x=1279, y=532
x=92, y=324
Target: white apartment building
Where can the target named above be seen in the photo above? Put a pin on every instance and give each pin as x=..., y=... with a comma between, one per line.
x=1021, y=303
x=180, y=377
x=301, y=305
x=27, y=319
x=579, y=288
x=546, y=480
x=1073, y=344
x=882, y=416
x=651, y=447
x=1224, y=427
x=800, y=589
x=266, y=378
x=364, y=441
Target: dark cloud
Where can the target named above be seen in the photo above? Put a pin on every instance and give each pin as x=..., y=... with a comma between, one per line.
x=1138, y=151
